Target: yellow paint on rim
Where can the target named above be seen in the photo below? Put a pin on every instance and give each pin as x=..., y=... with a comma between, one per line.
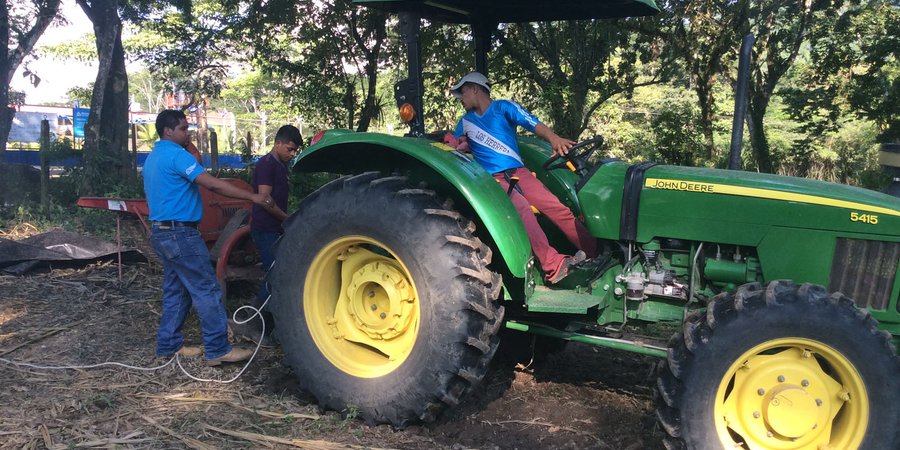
x=727, y=189
x=361, y=306
x=795, y=394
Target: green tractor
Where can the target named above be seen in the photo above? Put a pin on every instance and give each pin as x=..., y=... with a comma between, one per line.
x=392, y=283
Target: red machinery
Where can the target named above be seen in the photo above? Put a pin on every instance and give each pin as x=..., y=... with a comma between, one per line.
x=223, y=228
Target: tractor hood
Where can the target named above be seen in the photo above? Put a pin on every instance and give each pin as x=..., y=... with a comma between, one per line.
x=710, y=196
x=726, y=205
x=511, y=11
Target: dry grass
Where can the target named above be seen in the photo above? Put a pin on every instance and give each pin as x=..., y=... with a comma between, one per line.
x=86, y=316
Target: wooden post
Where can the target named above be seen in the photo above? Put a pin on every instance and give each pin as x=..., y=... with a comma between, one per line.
x=134, y=150
x=45, y=166
x=214, y=150
x=248, y=155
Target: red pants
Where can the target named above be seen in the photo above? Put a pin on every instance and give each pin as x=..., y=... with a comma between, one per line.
x=535, y=193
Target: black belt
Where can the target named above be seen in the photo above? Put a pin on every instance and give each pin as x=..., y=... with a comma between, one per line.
x=168, y=224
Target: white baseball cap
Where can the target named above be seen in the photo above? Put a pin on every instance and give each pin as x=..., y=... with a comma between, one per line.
x=471, y=77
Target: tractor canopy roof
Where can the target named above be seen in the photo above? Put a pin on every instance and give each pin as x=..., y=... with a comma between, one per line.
x=510, y=11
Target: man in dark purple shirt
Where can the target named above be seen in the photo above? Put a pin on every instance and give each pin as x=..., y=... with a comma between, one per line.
x=270, y=176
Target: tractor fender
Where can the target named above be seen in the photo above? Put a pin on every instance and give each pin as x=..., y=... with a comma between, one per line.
x=450, y=173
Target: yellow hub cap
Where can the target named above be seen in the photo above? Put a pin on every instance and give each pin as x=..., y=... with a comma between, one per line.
x=361, y=306
x=792, y=394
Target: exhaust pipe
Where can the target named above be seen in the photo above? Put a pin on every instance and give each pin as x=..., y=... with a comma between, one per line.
x=740, y=103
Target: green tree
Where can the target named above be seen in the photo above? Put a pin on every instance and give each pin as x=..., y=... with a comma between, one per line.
x=257, y=98
x=781, y=27
x=20, y=28
x=106, y=157
x=330, y=55
x=570, y=68
x=147, y=89
x=82, y=95
x=704, y=39
x=852, y=69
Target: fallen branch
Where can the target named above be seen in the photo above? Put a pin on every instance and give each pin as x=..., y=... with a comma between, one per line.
x=299, y=443
x=43, y=336
x=183, y=398
x=535, y=422
x=190, y=442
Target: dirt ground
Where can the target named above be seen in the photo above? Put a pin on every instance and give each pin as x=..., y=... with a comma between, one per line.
x=582, y=398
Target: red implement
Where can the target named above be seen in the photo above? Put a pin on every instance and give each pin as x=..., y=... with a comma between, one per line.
x=223, y=228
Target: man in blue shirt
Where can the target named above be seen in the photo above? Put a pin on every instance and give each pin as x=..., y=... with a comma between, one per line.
x=171, y=180
x=488, y=130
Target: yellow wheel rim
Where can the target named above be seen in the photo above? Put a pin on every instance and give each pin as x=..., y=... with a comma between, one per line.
x=361, y=306
x=792, y=393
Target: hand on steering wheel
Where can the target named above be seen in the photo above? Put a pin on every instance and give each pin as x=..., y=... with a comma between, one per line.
x=578, y=156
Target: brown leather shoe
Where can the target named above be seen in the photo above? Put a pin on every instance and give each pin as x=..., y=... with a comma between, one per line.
x=235, y=355
x=189, y=351
x=563, y=270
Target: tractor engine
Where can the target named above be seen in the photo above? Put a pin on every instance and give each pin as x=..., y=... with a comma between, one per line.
x=665, y=265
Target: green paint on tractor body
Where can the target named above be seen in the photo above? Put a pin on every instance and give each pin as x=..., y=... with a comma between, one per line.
x=719, y=228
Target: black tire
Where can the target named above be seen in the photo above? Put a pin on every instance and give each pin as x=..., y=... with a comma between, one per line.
x=719, y=387
x=457, y=316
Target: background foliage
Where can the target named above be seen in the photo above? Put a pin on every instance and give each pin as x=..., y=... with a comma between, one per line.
x=824, y=85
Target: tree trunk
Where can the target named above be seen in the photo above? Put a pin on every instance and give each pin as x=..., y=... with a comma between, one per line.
x=756, y=111
x=5, y=113
x=369, y=107
x=705, y=98
x=106, y=131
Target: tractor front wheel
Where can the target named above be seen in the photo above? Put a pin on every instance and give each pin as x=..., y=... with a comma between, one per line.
x=382, y=300
x=781, y=366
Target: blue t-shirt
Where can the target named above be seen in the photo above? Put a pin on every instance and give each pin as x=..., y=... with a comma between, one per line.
x=492, y=136
x=169, y=174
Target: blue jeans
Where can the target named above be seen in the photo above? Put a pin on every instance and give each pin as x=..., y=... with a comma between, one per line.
x=188, y=279
x=264, y=241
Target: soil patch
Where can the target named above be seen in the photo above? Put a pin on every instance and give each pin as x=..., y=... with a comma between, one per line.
x=582, y=397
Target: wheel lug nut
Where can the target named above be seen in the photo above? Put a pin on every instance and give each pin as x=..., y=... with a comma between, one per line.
x=371, y=294
x=374, y=307
x=769, y=434
x=804, y=383
x=383, y=315
x=781, y=378
x=761, y=391
x=756, y=414
x=818, y=402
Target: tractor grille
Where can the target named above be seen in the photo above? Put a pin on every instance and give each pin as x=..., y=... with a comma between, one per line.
x=865, y=271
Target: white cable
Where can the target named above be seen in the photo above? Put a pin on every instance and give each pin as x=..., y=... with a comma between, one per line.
x=257, y=313
x=91, y=366
x=176, y=358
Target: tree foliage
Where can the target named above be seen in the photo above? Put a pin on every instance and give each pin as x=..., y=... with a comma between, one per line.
x=570, y=68
x=852, y=69
x=705, y=40
x=21, y=25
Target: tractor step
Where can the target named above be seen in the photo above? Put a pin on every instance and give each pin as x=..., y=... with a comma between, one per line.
x=545, y=299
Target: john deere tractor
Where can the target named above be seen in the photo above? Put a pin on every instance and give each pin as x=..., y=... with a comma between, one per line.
x=392, y=283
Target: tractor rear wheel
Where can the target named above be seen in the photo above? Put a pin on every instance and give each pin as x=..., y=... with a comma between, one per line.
x=382, y=300
x=781, y=366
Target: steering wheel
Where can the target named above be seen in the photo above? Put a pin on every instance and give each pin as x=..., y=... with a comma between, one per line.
x=577, y=158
